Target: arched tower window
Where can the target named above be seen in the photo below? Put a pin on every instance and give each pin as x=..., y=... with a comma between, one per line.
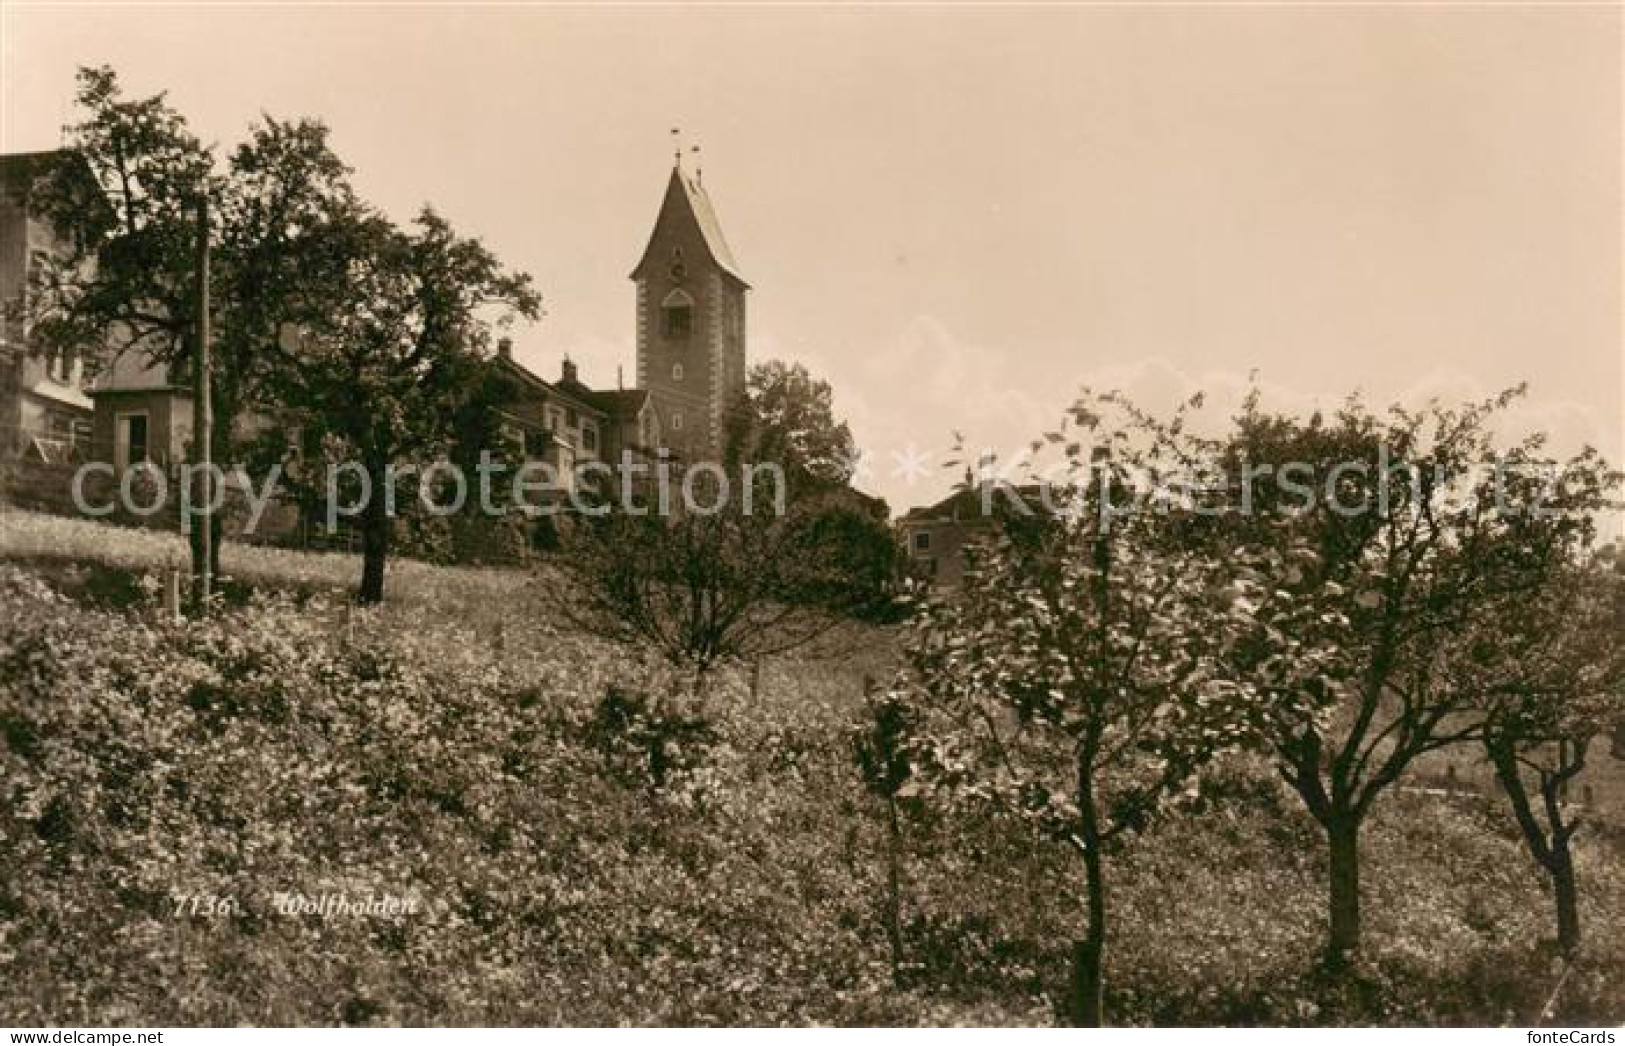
x=677, y=314
x=676, y=372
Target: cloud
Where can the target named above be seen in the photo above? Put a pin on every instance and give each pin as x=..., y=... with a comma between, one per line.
x=925, y=383
x=914, y=392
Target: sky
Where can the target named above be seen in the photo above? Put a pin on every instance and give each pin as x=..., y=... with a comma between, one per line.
x=959, y=216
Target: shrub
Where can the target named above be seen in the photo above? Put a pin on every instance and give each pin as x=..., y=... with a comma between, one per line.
x=648, y=739
x=296, y=744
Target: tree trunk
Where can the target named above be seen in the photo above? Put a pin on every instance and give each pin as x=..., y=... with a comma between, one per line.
x=894, y=889
x=1548, y=842
x=1560, y=864
x=375, y=525
x=1343, y=882
x=1089, y=954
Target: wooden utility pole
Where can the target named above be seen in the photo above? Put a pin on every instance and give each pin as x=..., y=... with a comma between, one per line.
x=202, y=423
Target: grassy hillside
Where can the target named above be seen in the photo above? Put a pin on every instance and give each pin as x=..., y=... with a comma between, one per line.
x=452, y=748
x=54, y=542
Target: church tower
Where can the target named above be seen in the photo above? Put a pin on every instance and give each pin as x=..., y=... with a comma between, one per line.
x=691, y=320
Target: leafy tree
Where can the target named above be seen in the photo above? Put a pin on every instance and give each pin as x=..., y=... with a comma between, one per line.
x=1551, y=675
x=701, y=588
x=786, y=415
x=1085, y=672
x=881, y=745
x=124, y=203
x=787, y=557
x=786, y=418
x=1401, y=536
x=281, y=210
x=384, y=361
x=126, y=282
x=483, y=436
x=125, y=279
x=862, y=560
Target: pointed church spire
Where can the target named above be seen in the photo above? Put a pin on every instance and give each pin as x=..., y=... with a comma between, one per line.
x=687, y=203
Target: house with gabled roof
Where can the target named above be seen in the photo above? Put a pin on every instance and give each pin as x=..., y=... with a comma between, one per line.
x=935, y=537
x=45, y=414
x=565, y=423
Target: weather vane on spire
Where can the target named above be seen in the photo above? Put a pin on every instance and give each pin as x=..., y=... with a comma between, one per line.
x=677, y=145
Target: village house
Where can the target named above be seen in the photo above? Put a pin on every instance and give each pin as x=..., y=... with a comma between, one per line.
x=935, y=537
x=566, y=424
x=45, y=412
x=143, y=413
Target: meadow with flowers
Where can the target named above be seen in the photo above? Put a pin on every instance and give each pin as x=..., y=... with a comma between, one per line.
x=461, y=747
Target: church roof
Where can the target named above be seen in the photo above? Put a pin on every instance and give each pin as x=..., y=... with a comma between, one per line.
x=622, y=403
x=685, y=193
